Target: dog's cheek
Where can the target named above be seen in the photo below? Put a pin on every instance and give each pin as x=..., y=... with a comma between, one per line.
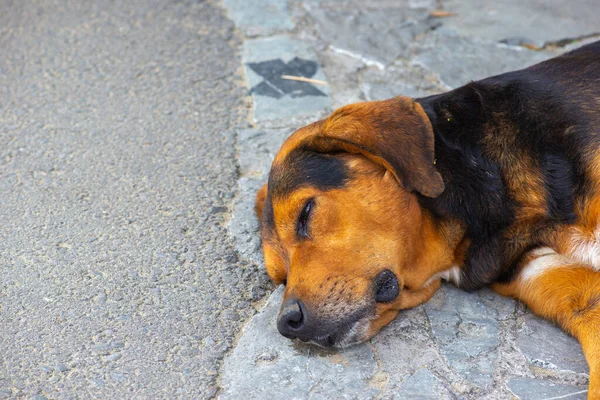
x=274, y=264
x=410, y=298
x=376, y=324
x=407, y=299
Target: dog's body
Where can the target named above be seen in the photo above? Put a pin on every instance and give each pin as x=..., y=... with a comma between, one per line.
x=496, y=182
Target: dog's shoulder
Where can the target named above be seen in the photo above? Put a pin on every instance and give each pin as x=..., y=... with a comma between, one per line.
x=512, y=150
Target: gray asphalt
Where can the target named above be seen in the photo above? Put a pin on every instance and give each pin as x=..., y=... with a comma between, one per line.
x=117, y=169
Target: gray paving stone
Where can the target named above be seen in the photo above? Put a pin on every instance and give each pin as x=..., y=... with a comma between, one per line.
x=342, y=72
x=535, y=389
x=378, y=33
x=403, y=348
x=265, y=365
x=257, y=148
x=266, y=60
x=401, y=78
x=504, y=306
x=546, y=346
x=458, y=60
x=259, y=18
x=423, y=385
x=459, y=344
x=243, y=225
x=527, y=21
x=467, y=331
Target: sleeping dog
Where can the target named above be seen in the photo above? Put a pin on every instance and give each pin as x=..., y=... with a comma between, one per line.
x=496, y=183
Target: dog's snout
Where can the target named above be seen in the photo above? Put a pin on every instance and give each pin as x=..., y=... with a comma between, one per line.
x=291, y=318
x=294, y=322
x=387, y=287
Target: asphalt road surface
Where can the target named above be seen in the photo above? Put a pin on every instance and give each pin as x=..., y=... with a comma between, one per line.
x=117, y=169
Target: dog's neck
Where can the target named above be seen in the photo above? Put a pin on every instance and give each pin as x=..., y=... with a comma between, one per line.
x=477, y=130
x=441, y=247
x=475, y=193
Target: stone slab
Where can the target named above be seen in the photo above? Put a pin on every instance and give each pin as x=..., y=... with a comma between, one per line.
x=265, y=365
x=423, y=385
x=467, y=331
x=260, y=18
x=547, y=346
x=256, y=149
x=378, y=33
x=535, y=389
x=266, y=60
x=523, y=21
x=458, y=60
x=448, y=352
x=407, y=356
x=342, y=72
x=401, y=78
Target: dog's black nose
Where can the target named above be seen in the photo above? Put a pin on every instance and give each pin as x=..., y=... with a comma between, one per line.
x=291, y=318
x=387, y=287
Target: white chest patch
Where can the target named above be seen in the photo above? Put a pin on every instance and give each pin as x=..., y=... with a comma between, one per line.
x=545, y=260
x=452, y=274
x=586, y=248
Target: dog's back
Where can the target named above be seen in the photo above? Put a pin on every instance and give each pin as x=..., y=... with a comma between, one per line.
x=562, y=93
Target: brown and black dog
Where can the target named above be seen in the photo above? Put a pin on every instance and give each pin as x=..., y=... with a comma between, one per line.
x=494, y=183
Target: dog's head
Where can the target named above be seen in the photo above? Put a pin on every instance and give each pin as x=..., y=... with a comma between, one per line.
x=341, y=223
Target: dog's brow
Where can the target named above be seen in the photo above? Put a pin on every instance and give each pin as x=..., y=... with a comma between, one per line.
x=303, y=167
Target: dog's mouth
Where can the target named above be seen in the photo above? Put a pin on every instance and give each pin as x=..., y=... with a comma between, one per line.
x=345, y=337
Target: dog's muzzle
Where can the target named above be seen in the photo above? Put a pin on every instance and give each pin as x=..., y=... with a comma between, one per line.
x=296, y=322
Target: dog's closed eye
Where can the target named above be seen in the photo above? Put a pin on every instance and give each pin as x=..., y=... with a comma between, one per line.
x=304, y=219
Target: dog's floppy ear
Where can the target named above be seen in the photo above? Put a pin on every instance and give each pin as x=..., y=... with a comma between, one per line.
x=259, y=203
x=395, y=133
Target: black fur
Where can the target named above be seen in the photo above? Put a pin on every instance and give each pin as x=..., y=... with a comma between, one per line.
x=475, y=191
x=304, y=167
x=547, y=110
x=561, y=182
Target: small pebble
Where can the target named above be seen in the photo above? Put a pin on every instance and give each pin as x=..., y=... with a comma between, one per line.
x=46, y=368
x=265, y=357
x=117, y=377
x=98, y=382
x=231, y=258
x=405, y=323
x=212, y=391
x=101, y=348
x=216, y=210
x=61, y=367
x=230, y=315
x=114, y=357
x=256, y=293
